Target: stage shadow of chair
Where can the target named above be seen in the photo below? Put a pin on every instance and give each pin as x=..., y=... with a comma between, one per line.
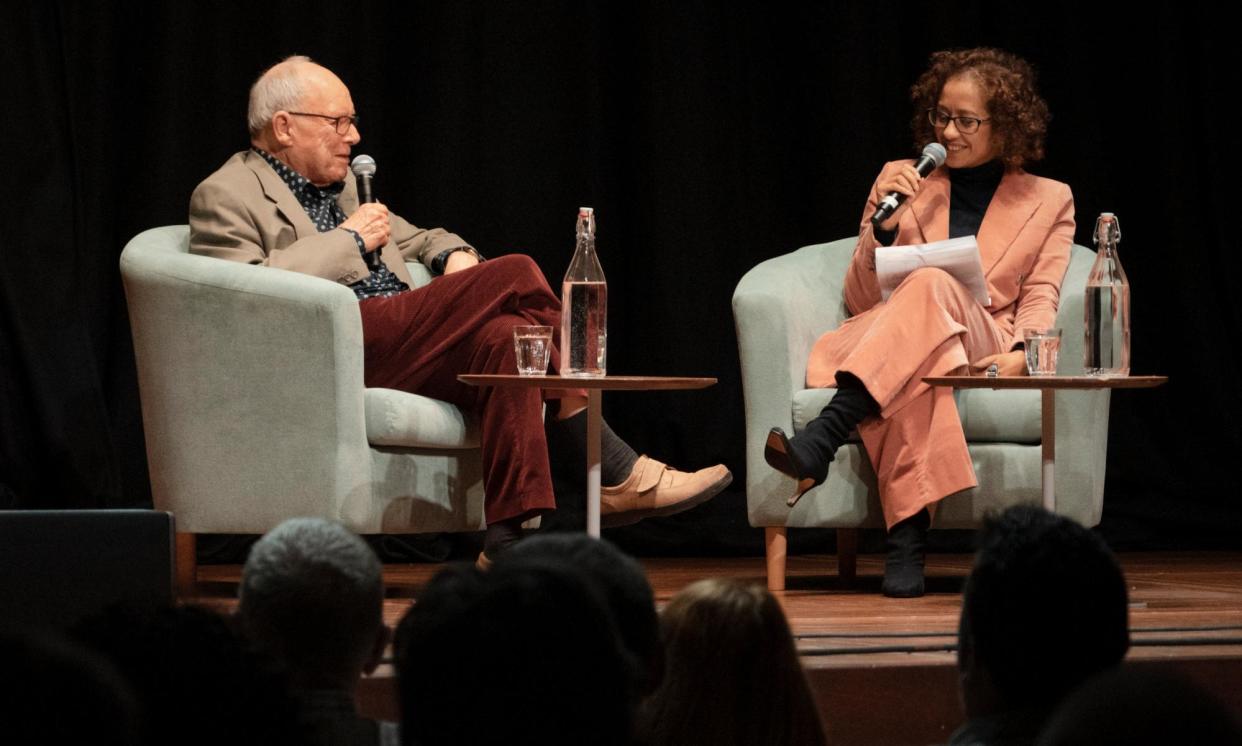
x=255, y=410
x=784, y=304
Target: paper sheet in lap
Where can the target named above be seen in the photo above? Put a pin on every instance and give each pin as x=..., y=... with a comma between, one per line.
x=957, y=256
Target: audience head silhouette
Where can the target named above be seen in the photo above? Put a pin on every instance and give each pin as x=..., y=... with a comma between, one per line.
x=622, y=583
x=312, y=595
x=482, y=658
x=55, y=691
x=195, y=678
x=1044, y=609
x=733, y=674
x=1135, y=707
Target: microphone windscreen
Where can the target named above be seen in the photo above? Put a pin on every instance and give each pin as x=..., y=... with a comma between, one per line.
x=933, y=150
x=364, y=165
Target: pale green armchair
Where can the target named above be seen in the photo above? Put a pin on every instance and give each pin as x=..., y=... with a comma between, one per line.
x=784, y=304
x=255, y=411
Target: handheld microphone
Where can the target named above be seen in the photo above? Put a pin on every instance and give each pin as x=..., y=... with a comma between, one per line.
x=363, y=167
x=933, y=157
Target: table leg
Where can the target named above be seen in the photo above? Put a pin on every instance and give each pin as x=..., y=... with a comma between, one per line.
x=1048, y=439
x=594, y=417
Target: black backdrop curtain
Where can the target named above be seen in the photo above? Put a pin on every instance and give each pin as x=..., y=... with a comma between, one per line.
x=708, y=136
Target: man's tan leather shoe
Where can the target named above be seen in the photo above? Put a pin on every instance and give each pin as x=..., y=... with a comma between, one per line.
x=654, y=489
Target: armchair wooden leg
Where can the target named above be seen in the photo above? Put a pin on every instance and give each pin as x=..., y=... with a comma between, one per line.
x=774, y=545
x=186, y=566
x=847, y=554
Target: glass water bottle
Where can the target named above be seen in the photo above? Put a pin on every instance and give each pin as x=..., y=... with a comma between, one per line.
x=584, y=307
x=1107, y=330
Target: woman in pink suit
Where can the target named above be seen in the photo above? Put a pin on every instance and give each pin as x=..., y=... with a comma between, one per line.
x=981, y=105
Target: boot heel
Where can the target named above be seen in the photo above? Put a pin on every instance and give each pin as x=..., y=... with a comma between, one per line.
x=804, y=486
x=776, y=453
x=779, y=454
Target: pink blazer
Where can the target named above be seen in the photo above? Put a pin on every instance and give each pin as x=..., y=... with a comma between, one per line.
x=1024, y=244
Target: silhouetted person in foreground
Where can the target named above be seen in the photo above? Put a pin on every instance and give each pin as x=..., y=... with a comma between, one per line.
x=1132, y=707
x=312, y=596
x=621, y=582
x=1044, y=609
x=53, y=691
x=196, y=680
x=523, y=654
x=733, y=675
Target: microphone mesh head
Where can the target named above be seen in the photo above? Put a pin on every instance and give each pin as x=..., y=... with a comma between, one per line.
x=364, y=165
x=933, y=150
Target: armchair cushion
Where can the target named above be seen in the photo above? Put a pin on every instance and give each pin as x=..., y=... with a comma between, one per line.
x=397, y=418
x=987, y=416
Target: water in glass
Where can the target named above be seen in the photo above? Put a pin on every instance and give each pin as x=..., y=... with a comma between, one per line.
x=1042, y=347
x=532, y=345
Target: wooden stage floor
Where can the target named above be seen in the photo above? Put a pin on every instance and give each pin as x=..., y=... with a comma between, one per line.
x=883, y=669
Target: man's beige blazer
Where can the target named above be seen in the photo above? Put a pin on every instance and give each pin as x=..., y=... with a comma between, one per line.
x=244, y=212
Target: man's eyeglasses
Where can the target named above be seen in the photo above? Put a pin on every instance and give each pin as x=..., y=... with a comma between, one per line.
x=342, y=124
x=965, y=125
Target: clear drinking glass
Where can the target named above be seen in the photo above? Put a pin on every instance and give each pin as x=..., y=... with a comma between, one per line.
x=532, y=345
x=1042, y=346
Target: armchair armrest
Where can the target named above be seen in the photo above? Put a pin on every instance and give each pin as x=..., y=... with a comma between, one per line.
x=1082, y=416
x=419, y=272
x=780, y=308
x=244, y=370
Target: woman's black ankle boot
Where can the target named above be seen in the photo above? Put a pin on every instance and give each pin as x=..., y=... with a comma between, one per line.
x=806, y=457
x=903, y=568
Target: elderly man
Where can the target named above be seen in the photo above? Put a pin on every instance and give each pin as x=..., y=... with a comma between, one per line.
x=292, y=202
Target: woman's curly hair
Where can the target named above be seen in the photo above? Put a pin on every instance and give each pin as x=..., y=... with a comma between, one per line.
x=1019, y=116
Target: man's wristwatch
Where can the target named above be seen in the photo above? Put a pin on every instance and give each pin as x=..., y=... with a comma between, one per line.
x=437, y=264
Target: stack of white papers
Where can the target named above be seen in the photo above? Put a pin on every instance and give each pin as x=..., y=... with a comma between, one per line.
x=957, y=256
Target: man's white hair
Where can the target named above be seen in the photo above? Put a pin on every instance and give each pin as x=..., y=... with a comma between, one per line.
x=280, y=87
x=312, y=593
x=300, y=548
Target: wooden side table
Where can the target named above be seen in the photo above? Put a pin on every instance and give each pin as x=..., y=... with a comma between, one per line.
x=594, y=388
x=1048, y=386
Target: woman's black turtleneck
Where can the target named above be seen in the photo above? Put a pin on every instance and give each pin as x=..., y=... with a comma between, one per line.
x=970, y=192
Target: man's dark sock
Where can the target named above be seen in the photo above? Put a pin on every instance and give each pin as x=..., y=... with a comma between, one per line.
x=616, y=458
x=500, y=535
x=816, y=446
